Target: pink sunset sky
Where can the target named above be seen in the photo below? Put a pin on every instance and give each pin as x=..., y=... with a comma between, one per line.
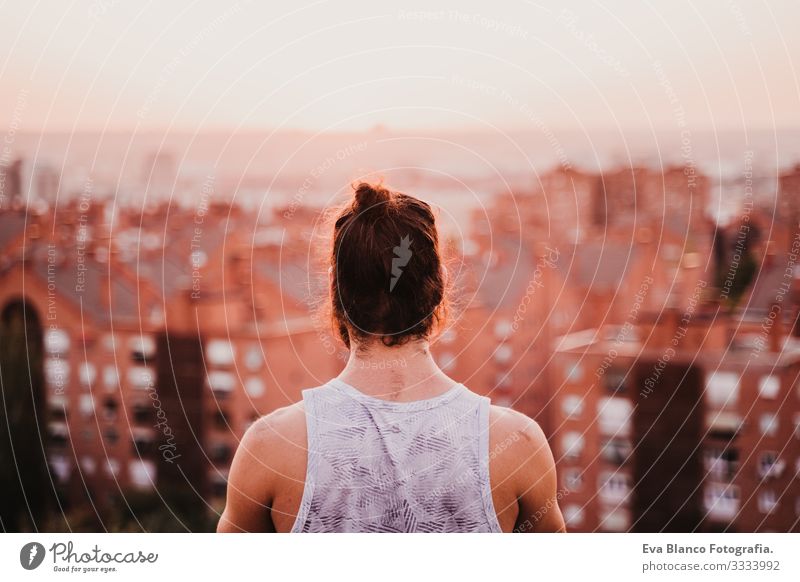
x=324, y=65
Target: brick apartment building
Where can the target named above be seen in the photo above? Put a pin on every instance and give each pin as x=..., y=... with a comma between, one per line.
x=182, y=326
x=679, y=425
x=155, y=362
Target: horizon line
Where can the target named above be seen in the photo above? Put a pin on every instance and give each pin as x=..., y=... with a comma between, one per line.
x=389, y=129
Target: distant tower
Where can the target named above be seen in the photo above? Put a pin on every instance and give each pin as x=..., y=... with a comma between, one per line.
x=788, y=203
x=12, y=182
x=44, y=183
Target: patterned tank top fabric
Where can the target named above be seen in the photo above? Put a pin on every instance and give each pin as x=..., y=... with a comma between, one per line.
x=381, y=466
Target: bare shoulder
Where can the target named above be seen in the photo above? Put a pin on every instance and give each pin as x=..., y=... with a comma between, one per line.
x=271, y=450
x=282, y=427
x=523, y=467
x=274, y=446
x=512, y=427
x=518, y=447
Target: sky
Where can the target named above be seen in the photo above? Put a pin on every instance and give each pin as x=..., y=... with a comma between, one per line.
x=106, y=65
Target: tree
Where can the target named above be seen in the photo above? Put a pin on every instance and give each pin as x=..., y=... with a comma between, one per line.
x=26, y=492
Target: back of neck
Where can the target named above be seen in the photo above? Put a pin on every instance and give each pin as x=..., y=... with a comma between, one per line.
x=400, y=373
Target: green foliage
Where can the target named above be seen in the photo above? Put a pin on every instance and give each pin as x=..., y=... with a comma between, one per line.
x=736, y=266
x=160, y=511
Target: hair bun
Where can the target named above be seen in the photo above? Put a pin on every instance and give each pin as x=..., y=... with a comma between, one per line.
x=368, y=196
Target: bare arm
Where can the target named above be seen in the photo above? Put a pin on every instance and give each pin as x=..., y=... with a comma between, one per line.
x=538, y=499
x=530, y=472
x=248, y=500
x=267, y=474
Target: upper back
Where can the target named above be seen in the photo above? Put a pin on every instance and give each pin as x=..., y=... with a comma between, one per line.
x=382, y=466
x=276, y=458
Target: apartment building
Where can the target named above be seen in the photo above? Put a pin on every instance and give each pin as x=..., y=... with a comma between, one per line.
x=155, y=362
x=687, y=421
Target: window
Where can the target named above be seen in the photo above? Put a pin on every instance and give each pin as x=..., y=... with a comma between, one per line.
x=86, y=405
x=768, y=424
x=767, y=501
x=110, y=378
x=722, y=389
x=572, y=445
x=616, y=519
x=142, y=347
x=111, y=435
x=61, y=467
x=156, y=315
x=142, y=474
x=769, y=386
x=573, y=515
x=58, y=407
x=614, y=487
x=56, y=372
x=112, y=467
x=574, y=372
x=253, y=358
x=221, y=382
x=503, y=328
x=572, y=406
x=141, y=412
x=141, y=377
x=87, y=373
x=254, y=386
x=614, y=380
x=616, y=451
x=723, y=425
x=56, y=342
x=503, y=353
x=721, y=501
x=614, y=415
x=220, y=352
x=58, y=434
x=573, y=479
x=142, y=444
x=89, y=465
x=770, y=466
x=721, y=464
x=110, y=409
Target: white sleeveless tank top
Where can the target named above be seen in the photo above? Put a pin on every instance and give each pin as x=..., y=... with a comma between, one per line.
x=381, y=466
